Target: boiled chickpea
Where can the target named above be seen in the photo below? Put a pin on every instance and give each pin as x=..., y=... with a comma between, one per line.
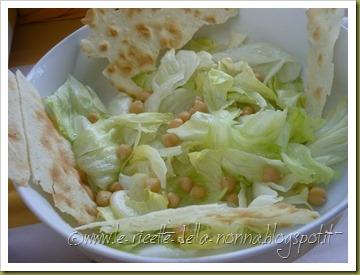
x=103, y=198
x=173, y=199
x=184, y=116
x=232, y=199
x=199, y=106
x=170, y=140
x=197, y=192
x=176, y=122
x=317, y=196
x=247, y=110
x=153, y=184
x=143, y=96
x=229, y=183
x=136, y=107
x=93, y=117
x=116, y=186
x=259, y=77
x=185, y=184
x=271, y=174
x=124, y=151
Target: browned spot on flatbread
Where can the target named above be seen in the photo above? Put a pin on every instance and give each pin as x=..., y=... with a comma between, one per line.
x=282, y=205
x=187, y=10
x=142, y=59
x=125, y=41
x=126, y=69
x=318, y=93
x=320, y=59
x=49, y=131
x=91, y=211
x=55, y=173
x=82, y=175
x=111, y=69
x=223, y=219
x=131, y=12
x=104, y=46
x=316, y=34
x=112, y=31
x=45, y=141
x=143, y=30
x=196, y=13
x=63, y=198
x=210, y=19
x=13, y=134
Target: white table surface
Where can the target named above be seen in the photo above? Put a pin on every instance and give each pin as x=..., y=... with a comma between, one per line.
x=39, y=243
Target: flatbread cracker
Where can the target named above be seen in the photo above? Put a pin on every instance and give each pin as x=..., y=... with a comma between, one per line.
x=282, y=214
x=131, y=39
x=323, y=30
x=51, y=159
x=18, y=164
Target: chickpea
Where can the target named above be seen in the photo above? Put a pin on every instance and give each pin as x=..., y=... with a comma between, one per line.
x=317, y=196
x=232, y=199
x=89, y=191
x=271, y=174
x=93, y=117
x=143, y=96
x=176, y=122
x=170, y=140
x=247, y=110
x=116, y=186
x=136, y=107
x=198, y=192
x=153, y=184
x=103, y=198
x=185, y=184
x=259, y=77
x=185, y=116
x=124, y=151
x=174, y=200
x=199, y=106
x=229, y=183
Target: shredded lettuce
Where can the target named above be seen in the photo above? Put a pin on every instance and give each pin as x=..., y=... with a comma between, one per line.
x=299, y=161
x=147, y=159
x=330, y=144
x=173, y=72
x=120, y=104
x=266, y=59
x=96, y=146
x=214, y=85
x=70, y=106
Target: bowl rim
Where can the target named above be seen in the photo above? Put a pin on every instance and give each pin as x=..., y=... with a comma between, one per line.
x=119, y=255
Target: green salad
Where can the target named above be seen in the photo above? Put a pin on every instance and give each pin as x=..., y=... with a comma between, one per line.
x=219, y=128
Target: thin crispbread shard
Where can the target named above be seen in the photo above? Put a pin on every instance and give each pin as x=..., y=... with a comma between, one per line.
x=52, y=161
x=18, y=164
x=131, y=39
x=323, y=30
x=217, y=215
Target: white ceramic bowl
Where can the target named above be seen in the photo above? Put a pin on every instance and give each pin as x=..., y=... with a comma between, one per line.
x=284, y=27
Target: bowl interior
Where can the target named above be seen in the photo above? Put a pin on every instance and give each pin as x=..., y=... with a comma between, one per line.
x=283, y=27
